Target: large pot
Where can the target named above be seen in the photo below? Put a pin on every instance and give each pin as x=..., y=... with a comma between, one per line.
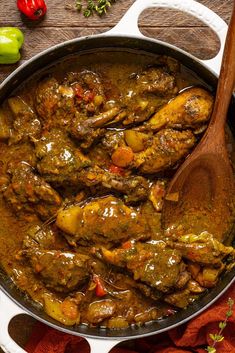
x=125, y=35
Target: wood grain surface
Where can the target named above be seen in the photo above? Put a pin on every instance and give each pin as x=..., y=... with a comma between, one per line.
x=61, y=24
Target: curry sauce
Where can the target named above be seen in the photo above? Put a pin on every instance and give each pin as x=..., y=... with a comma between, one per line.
x=87, y=149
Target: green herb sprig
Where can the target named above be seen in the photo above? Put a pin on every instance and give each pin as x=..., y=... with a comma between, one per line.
x=99, y=7
x=218, y=337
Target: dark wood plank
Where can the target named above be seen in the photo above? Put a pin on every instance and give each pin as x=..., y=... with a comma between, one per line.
x=58, y=16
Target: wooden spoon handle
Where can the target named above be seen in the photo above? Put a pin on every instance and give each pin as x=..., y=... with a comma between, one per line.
x=226, y=80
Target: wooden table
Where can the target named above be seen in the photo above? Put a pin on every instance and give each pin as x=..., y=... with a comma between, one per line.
x=61, y=24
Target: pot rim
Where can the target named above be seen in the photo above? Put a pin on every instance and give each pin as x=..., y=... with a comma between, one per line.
x=111, y=334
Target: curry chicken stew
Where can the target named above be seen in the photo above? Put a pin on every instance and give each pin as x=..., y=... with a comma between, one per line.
x=87, y=149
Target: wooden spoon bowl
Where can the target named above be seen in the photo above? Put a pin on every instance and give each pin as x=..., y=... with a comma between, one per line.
x=201, y=195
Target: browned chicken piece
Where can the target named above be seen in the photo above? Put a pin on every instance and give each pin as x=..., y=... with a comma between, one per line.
x=147, y=93
x=80, y=95
x=134, y=110
x=157, y=193
x=139, y=108
x=190, y=109
x=112, y=140
x=121, y=309
x=88, y=130
x=153, y=218
x=55, y=103
x=117, y=301
x=100, y=310
x=147, y=152
x=26, y=124
x=59, y=270
x=61, y=163
x=181, y=299
x=88, y=80
x=134, y=188
x=165, y=149
x=59, y=160
x=43, y=237
x=90, y=93
x=203, y=248
x=28, y=192
x=154, y=264
x=157, y=80
x=106, y=220
x=136, y=140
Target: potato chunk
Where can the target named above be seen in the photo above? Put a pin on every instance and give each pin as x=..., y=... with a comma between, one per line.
x=56, y=309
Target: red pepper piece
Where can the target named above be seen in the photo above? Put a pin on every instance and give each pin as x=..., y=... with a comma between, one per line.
x=100, y=290
x=127, y=245
x=33, y=9
x=79, y=92
x=88, y=96
x=114, y=169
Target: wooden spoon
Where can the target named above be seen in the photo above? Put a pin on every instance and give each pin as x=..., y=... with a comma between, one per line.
x=201, y=195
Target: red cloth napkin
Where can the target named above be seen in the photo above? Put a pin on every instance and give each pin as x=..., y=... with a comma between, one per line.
x=191, y=337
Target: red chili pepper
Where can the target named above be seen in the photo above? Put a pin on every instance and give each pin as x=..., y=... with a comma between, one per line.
x=100, y=290
x=33, y=9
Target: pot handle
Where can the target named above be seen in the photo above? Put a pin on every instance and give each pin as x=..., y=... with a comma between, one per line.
x=101, y=345
x=8, y=310
x=128, y=25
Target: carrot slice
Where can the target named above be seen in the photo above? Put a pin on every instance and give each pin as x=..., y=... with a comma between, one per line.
x=122, y=156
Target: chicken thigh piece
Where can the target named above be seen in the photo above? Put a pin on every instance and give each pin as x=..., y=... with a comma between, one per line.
x=59, y=160
x=54, y=103
x=60, y=270
x=154, y=264
x=30, y=193
x=165, y=149
x=106, y=220
x=192, y=108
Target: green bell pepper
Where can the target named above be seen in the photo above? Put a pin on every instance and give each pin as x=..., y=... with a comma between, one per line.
x=11, y=40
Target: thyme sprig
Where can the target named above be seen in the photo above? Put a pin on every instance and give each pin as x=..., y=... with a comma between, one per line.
x=78, y=5
x=218, y=337
x=99, y=7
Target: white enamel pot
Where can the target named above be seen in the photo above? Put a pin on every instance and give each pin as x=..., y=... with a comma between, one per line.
x=125, y=35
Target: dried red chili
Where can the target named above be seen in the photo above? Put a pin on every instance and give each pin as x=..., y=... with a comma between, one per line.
x=33, y=9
